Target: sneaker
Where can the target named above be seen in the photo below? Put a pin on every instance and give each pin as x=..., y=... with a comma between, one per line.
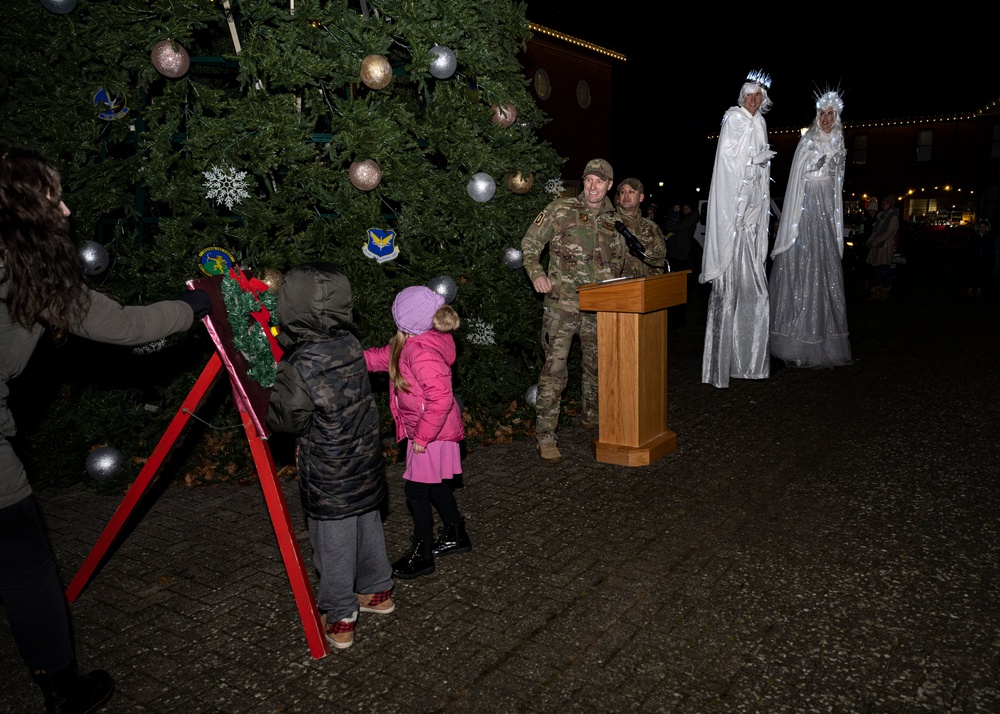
x=549, y=452
x=340, y=634
x=377, y=602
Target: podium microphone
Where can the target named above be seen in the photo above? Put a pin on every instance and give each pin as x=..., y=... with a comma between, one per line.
x=635, y=247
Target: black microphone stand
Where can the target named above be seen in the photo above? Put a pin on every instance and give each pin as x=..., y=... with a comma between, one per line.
x=636, y=249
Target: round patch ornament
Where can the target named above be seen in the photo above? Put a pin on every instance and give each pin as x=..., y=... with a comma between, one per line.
x=215, y=261
x=110, y=106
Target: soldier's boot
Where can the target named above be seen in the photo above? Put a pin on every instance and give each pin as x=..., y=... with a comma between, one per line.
x=548, y=451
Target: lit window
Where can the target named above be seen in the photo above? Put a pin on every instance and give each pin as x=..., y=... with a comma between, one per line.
x=543, y=88
x=583, y=94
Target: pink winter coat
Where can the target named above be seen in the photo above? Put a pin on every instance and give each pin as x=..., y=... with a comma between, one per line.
x=428, y=412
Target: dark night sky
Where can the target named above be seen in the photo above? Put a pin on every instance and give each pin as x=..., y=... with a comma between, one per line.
x=682, y=77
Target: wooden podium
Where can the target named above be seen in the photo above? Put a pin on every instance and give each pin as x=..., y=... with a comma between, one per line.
x=632, y=365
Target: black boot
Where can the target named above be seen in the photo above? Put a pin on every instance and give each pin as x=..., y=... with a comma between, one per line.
x=67, y=692
x=452, y=540
x=417, y=561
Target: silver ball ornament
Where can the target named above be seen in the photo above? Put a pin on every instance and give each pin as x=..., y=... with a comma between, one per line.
x=481, y=187
x=445, y=287
x=513, y=258
x=531, y=395
x=444, y=63
x=59, y=7
x=170, y=59
x=105, y=463
x=94, y=257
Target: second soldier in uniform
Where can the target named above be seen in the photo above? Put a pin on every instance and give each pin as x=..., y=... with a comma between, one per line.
x=627, y=203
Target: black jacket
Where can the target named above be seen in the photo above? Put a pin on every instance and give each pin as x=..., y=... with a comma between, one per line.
x=679, y=243
x=323, y=396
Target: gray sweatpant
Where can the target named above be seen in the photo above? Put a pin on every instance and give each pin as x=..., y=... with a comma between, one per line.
x=350, y=555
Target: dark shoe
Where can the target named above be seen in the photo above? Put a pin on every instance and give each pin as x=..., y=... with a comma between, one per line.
x=452, y=540
x=417, y=561
x=67, y=692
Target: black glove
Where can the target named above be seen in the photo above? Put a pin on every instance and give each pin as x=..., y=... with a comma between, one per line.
x=199, y=302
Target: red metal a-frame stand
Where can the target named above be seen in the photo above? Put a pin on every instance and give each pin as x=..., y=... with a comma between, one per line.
x=273, y=496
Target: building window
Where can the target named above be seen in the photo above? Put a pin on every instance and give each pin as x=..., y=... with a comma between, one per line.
x=543, y=88
x=925, y=142
x=583, y=94
x=995, y=152
x=859, y=149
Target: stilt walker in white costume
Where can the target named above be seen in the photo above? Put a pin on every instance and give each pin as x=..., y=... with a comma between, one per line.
x=808, y=306
x=736, y=334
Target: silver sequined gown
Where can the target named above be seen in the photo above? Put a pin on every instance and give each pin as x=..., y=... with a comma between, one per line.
x=806, y=289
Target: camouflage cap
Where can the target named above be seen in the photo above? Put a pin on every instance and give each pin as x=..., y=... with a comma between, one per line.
x=601, y=168
x=634, y=183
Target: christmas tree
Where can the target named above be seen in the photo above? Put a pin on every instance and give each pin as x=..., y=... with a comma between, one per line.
x=284, y=132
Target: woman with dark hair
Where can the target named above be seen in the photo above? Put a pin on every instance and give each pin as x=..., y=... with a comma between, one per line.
x=42, y=287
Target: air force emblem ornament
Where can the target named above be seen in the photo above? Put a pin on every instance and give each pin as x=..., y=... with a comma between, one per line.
x=381, y=246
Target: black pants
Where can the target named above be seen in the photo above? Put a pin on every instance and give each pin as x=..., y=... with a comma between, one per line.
x=420, y=496
x=30, y=590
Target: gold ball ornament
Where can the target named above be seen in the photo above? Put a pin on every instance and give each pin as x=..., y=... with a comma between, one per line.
x=272, y=278
x=504, y=116
x=376, y=72
x=519, y=183
x=365, y=175
x=170, y=59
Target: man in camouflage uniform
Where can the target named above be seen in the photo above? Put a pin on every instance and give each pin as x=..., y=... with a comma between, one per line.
x=627, y=210
x=582, y=249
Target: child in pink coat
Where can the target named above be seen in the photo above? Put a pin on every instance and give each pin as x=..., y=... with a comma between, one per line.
x=419, y=360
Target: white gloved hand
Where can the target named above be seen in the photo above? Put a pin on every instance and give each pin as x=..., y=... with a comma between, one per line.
x=763, y=157
x=818, y=165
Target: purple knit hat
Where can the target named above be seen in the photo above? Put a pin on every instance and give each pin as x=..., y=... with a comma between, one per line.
x=414, y=308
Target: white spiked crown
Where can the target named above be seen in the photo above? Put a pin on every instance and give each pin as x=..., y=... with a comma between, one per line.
x=760, y=78
x=830, y=99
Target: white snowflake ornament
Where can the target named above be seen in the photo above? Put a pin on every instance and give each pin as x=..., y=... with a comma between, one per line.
x=554, y=186
x=481, y=332
x=226, y=186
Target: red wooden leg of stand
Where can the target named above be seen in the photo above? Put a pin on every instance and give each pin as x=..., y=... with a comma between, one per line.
x=141, y=483
x=289, y=546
